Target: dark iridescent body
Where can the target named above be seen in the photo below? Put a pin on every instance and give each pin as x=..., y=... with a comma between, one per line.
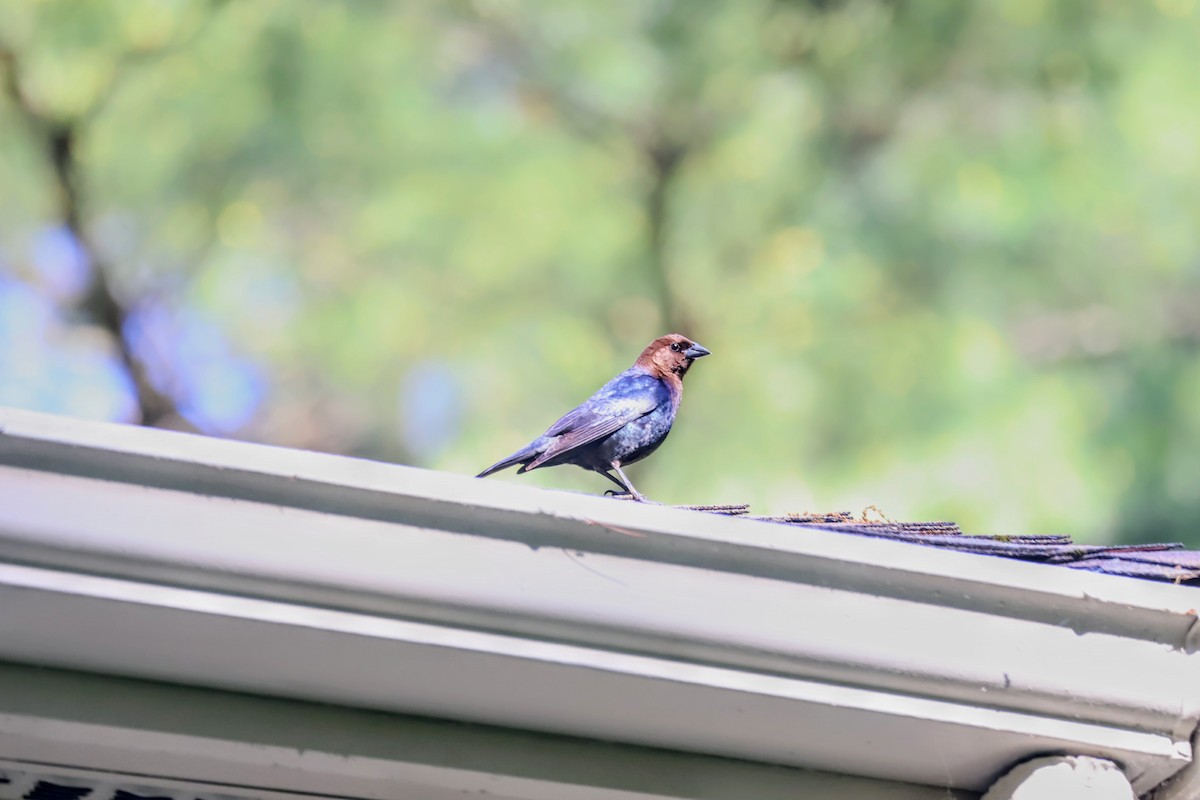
x=622, y=423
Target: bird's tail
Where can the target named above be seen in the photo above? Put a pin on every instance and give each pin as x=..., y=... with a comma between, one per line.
x=525, y=454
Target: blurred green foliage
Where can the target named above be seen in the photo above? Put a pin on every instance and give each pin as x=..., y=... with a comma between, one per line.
x=945, y=254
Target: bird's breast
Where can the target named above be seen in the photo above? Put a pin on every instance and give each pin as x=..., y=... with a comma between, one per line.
x=638, y=438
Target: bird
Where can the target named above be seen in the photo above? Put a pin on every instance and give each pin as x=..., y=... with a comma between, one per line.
x=622, y=423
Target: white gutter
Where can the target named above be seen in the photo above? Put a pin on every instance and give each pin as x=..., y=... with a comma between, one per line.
x=295, y=574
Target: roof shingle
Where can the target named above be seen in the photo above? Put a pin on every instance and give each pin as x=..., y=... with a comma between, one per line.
x=1167, y=561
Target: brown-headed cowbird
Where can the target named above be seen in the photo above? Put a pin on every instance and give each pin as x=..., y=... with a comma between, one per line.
x=623, y=422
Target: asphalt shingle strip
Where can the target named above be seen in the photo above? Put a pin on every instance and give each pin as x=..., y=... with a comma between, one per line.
x=1166, y=561
x=1136, y=569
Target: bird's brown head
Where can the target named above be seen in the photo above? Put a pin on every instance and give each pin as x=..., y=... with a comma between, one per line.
x=671, y=355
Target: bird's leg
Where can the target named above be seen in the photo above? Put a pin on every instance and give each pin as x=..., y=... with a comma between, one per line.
x=609, y=475
x=628, y=483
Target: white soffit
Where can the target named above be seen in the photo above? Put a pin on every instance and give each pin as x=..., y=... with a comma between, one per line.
x=159, y=740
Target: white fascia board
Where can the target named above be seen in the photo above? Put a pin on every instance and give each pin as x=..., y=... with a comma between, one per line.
x=229, y=642
x=610, y=620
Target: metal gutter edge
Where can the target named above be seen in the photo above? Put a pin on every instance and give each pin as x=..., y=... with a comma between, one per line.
x=373, y=490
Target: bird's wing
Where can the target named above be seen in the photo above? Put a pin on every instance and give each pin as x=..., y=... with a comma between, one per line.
x=619, y=402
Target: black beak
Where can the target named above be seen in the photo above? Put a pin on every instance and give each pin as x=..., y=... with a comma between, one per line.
x=697, y=351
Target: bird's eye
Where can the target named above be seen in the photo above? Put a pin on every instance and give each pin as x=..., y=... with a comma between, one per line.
x=676, y=346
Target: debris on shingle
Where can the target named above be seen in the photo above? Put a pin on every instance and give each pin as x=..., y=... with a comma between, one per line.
x=730, y=509
x=1162, y=562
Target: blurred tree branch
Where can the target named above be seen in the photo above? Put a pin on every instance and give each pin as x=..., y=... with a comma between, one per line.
x=665, y=158
x=58, y=139
x=660, y=151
